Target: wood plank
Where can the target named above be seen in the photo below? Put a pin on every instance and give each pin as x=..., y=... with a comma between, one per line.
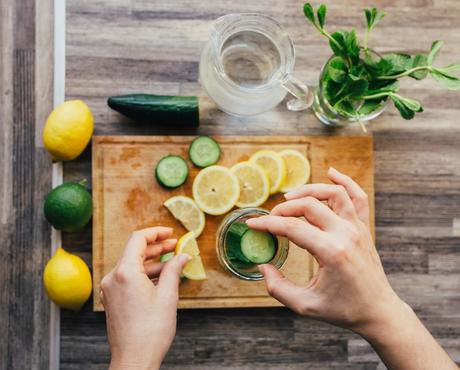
x=26, y=177
x=127, y=198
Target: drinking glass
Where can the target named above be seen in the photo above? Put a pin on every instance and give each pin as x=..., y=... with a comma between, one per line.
x=243, y=270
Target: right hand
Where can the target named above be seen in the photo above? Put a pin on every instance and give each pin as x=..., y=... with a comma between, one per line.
x=350, y=288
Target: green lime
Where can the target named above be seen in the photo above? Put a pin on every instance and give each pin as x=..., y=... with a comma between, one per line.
x=68, y=207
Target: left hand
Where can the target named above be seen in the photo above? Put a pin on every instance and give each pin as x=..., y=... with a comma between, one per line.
x=141, y=316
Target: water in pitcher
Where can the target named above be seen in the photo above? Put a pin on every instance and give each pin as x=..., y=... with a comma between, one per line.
x=250, y=59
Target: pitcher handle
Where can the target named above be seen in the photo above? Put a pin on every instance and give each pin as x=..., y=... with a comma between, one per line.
x=303, y=97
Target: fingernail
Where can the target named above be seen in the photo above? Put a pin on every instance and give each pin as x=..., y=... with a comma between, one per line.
x=183, y=257
x=333, y=169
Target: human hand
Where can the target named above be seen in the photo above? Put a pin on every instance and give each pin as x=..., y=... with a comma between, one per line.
x=141, y=315
x=350, y=288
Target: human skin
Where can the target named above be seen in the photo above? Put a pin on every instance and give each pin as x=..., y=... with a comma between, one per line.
x=350, y=288
x=141, y=313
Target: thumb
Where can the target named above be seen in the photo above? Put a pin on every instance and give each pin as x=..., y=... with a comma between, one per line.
x=168, y=282
x=293, y=296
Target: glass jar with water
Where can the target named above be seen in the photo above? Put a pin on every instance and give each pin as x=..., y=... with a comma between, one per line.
x=246, y=66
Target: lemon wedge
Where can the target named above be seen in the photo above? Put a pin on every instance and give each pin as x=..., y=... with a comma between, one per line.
x=273, y=166
x=254, y=184
x=187, y=212
x=194, y=269
x=297, y=169
x=216, y=190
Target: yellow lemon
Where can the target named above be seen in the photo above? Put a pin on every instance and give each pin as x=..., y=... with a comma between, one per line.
x=254, y=184
x=194, y=269
x=67, y=280
x=298, y=169
x=68, y=130
x=273, y=165
x=216, y=190
x=187, y=212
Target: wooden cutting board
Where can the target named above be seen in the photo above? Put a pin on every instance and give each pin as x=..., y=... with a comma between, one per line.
x=127, y=197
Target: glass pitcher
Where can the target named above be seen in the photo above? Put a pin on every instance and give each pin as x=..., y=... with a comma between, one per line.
x=246, y=66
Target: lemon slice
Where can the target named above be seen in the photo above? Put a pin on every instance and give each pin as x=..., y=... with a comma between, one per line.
x=297, y=169
x=194, y=269
x=216, y=190
x=187, y=212
x=254, y=185
x=273, y=166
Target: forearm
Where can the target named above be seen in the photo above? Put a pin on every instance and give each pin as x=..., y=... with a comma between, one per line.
x=403, y=342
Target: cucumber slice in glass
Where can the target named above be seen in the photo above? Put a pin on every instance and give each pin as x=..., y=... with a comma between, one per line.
x=257, y=246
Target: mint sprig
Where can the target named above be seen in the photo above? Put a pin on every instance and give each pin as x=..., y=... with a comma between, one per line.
x=356, y=80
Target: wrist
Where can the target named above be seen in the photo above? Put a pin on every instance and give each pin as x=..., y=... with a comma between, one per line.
x=137, y=364
x=390, y=320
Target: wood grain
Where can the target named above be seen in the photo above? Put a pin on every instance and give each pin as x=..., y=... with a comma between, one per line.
x=417, y=168
x=147, y=44
x=126, y=198
x=26, y=177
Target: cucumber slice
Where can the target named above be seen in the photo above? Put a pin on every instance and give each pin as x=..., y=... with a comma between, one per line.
x=166, y=257
x=233, y=242
x=171, y=171
x=258, y=247
x=204, y=151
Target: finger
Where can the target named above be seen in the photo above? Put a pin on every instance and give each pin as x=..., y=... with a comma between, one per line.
x=314, y=211
x=134, y=253
x=336, y=196
x=153, y=269
x=357, y=194
x=170, y=278
x=295, y=297
x=299, y=232
x=157, y=249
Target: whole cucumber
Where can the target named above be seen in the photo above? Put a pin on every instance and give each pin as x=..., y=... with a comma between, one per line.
x=158, y=109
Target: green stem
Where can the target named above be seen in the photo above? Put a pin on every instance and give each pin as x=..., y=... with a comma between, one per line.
x=366, y=38
x=379, y=95
x=406, y=73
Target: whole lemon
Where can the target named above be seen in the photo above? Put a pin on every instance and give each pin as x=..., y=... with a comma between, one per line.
x=67, y=280
x=68, y=130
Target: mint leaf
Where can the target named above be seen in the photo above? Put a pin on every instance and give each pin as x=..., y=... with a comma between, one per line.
x=406, y=107
x=398, y=62
x=419, y=60
x=352, y=44
x=337, y=69
x=321, y=14
x=448, y=81
x=450, y=68
x=435, y=47
x=377, y=66
x=357, y=72
x=339, y=47
x=357, y=88
x=373, y=17
x=391, y=87
x=369, y=106
x=309, y=13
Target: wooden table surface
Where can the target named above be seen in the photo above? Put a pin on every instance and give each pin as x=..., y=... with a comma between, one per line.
x=119, y=46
